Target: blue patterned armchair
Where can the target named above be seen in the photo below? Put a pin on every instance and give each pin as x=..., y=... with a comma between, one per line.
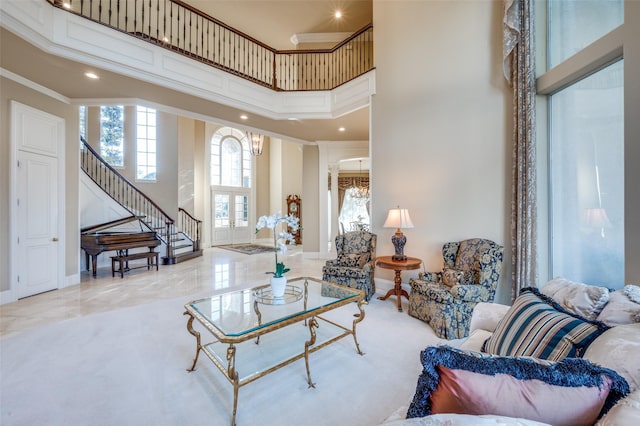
x=355, y=263
x=446, y=299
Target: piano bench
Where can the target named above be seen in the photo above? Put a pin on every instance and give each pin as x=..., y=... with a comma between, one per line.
x=123, y=262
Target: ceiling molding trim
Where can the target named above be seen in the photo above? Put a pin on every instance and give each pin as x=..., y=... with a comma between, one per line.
x=304, y=38
x=34, y=86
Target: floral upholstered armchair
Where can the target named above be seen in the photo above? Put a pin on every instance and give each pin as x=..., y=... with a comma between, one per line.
x=446, y=299
x=355, y=264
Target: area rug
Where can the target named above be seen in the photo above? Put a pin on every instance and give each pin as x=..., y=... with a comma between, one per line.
x=247, y=248
x=128, y=367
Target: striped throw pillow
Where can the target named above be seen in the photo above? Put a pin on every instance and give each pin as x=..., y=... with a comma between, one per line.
x=536, y=326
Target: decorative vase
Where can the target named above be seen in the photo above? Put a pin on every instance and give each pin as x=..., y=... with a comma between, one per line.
x=278, y=285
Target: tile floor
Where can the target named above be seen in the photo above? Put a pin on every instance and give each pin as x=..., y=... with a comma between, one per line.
x=215, y=271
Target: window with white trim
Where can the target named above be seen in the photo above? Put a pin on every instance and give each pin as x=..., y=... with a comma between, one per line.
x=146, y=146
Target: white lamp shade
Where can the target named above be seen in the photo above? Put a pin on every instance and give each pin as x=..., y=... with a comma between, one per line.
x=398, y=218
x=597, y=218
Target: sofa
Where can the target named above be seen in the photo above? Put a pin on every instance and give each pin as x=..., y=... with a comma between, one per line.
x=566, y=353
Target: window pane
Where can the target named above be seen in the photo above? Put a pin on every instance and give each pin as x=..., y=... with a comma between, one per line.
x=231, y=162
x=221, y=211
x=587, y=179
x=146, y=144
x=112, y=134
x=575, y=24
x=241, y=210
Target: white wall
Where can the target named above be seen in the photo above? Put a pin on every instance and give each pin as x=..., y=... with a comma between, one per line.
x=441, y=126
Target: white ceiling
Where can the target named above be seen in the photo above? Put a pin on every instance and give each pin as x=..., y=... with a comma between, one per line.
x=272, y=22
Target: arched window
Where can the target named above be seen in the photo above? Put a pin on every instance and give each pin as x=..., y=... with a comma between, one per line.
x=230, y=159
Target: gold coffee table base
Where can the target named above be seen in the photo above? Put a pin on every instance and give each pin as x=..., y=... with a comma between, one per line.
x=310, y=313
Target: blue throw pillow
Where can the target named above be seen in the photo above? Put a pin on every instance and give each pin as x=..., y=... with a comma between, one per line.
x=568, y=392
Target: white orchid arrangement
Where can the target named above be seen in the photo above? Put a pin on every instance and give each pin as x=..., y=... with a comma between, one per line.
x=279, y=238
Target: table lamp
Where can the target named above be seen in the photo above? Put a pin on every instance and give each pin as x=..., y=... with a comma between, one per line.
x=398, y=218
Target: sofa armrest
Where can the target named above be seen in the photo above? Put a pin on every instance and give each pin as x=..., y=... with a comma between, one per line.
x=486, y=316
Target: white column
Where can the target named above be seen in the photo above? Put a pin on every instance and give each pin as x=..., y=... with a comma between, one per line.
x=334, y=169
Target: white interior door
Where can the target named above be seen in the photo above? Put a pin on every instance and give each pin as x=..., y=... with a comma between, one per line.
x=37, y=262
x=230, y=217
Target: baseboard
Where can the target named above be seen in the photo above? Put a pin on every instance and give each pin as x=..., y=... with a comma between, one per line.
x=6, y=296
x=70, y=280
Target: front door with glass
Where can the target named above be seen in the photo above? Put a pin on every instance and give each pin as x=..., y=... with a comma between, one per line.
x=230, y=217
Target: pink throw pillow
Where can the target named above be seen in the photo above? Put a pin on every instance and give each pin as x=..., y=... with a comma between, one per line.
x=466, y=392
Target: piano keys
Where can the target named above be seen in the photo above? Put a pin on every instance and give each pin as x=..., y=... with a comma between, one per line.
x=95, y=240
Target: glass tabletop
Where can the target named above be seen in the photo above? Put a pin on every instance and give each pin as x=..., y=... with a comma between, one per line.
x=241, y=312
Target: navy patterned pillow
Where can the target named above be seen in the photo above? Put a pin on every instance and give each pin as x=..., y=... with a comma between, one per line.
x=537, y=326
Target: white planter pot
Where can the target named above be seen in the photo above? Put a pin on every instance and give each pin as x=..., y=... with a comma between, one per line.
x=278, y=285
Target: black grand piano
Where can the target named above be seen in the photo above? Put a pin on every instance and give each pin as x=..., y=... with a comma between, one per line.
x=95, y=240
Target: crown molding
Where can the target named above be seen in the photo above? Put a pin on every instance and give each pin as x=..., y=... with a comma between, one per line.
x=304, y=38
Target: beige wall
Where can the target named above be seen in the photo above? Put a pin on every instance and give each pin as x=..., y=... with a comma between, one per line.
x=10, y=90
x=440, y=126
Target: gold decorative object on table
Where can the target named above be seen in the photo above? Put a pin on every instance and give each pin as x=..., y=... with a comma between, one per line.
x=252, y=337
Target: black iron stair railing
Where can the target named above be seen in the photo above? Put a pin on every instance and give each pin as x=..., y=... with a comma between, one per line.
x=139, y=204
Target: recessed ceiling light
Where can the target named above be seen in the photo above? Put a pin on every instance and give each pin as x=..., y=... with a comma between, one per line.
x=341, y=129
x=91, y=75
x=244, y=117
x=338, y=14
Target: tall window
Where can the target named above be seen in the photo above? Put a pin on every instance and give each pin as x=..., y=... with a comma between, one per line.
x=587, y=179
x=230, y=159
x=82, y=118
x=586, y=145
x=112, y=134
x=145, y=143
x=573, y=25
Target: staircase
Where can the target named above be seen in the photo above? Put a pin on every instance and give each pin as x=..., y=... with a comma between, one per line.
x=181, y=240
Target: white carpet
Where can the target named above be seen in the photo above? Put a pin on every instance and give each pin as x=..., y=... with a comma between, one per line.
x=128, y=367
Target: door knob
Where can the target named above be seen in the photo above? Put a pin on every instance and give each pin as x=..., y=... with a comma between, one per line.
x=54, y=239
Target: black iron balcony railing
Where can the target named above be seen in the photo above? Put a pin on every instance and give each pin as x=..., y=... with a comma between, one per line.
x=176, y=26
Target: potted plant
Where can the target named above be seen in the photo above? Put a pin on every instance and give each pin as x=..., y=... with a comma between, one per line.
x=289, y=224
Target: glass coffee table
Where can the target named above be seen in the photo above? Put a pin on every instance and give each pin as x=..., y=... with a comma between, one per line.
x=255, y=333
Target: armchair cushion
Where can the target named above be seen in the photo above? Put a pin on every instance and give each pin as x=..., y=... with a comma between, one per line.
x=537, y=326
x=471, y=293
x=353, y=260
x=573, y=391
x=433, y=277
x=451, y=277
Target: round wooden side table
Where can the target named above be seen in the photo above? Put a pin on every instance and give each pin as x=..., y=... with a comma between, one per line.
x=386, y=262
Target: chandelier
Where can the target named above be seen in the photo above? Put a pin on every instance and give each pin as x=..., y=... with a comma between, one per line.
x=359, y=193
x=256, y=141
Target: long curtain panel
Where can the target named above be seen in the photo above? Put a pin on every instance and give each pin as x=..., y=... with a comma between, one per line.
x=519, y=70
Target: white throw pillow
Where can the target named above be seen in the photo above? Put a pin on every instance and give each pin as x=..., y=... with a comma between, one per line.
x=619, y=349
x=625, y=412
x=620, y=310
x=581, y=299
